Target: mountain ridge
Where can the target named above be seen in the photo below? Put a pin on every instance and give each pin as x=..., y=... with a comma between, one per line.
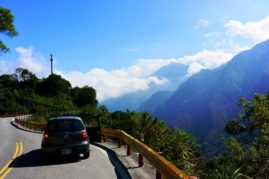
x=207, y=100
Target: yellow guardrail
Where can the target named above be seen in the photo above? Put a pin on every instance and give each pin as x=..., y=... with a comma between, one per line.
x=165, y=167
x=30, y=125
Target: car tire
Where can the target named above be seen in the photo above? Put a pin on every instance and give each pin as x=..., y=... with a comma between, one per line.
x=86, y=155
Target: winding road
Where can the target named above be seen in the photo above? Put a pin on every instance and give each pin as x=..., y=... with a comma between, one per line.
x=20, y=157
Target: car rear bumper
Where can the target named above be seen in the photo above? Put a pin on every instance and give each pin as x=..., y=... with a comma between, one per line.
x=75, y=148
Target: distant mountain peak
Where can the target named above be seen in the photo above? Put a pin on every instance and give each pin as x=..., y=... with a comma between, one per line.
x=204, y=102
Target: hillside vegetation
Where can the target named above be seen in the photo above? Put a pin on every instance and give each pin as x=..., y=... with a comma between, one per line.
x=22, y=92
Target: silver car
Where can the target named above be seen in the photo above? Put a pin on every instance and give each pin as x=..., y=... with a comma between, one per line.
x=64, y=136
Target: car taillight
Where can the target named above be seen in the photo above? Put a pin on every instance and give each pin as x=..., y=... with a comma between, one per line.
x=46, y=138
x=84, y=135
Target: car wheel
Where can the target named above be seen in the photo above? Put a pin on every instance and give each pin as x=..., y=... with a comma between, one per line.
x=86, y=155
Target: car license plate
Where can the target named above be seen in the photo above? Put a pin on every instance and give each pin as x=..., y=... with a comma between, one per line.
x=66, y=151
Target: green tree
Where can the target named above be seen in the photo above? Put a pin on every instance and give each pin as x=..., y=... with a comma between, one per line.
x=249, y=143
x=27, y=80
x=85, y=96
x=54, y=85
x=6, y=27
x=121, y=120
x=104, y=116
x=8, y=81
x=221, y=168
x=23, y=74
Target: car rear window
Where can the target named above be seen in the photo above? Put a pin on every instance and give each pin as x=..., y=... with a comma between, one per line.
x=65, y=125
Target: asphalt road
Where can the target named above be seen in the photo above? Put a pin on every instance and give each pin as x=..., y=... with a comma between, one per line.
x=24, y=147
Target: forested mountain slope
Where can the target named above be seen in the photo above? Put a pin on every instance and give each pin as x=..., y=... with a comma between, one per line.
x=203, y=103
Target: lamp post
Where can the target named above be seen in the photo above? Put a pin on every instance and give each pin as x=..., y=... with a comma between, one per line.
x=51, y=63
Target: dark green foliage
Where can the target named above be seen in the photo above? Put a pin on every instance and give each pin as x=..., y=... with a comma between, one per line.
x=85, y=96
x=8, y=81
x=26, y=80
x=104, y=116
x=246, y=151
x=6, y=27
x=8, y=103
x=54, y=85
x=249, y=143
x=222, y=168
x=182, y=149
x=23, y=92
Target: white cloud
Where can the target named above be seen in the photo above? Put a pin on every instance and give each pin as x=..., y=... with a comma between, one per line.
x=145, y=67
x=32, y=61
x=205, y=60
x=114, y=83
x=257, y=31
x=195, y=68
x=28, y=59
x=231, y=45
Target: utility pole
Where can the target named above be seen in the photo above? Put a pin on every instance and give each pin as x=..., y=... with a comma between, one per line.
x=51, y=63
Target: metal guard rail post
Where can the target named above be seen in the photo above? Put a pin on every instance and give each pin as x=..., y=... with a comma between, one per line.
x=165, y=167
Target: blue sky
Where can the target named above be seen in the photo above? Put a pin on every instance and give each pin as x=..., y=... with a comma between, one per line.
x=100, y=43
